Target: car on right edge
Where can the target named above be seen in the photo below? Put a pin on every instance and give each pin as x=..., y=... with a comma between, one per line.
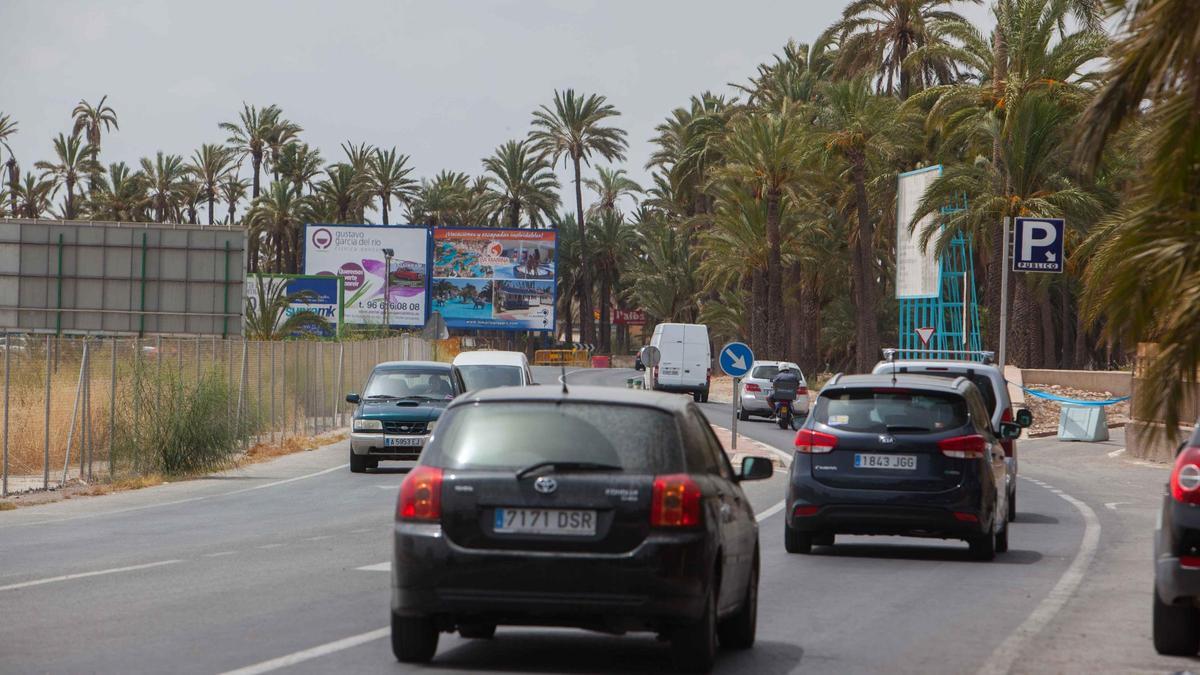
x=904, y=455
x=1177, y=557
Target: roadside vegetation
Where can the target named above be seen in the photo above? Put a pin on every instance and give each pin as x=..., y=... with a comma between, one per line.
x=770, y=214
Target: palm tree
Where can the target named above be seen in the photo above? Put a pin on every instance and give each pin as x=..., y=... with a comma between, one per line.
x=121, y=196
x=387, y=177
x=344, y=193
x=878, y=37
x=569, y=267
x=277, y=218
x=281, y=134
x=269, y=314
x=610, y=186
x=233, y=190
x=662, y=272
x=573, y=130
x=166, y=177
x=75, y=160
x=300, y=164
x=90, y=119
x=7, y=128
x=209, y=166
x=251, y=135
x=520, y=182
x=33, y=196
x=688, y=147
x=1145, y=278
x=612, y=239
x=440, y=200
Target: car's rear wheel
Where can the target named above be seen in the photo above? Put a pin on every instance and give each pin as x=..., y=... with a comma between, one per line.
x=1012, y=505
x=795, y=541
x=1002, y=539
x=743, y=415
x=477, y=631
x=696, y=396
x=358, y=463
x=414, y=638
x=704, y=396
x=983, y=546
x=1176, y=628
x=738, y=630
x=694, y=646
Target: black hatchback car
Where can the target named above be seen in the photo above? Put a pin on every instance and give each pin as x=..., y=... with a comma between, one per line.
x=908, y=455
x=1177, y=557
x=601, y=509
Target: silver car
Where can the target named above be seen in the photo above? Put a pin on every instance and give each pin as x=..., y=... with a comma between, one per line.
x=756, y=387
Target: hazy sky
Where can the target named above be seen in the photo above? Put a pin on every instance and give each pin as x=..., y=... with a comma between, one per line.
x=444, y=82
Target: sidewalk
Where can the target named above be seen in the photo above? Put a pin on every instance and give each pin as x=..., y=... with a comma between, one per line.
x=747, y=447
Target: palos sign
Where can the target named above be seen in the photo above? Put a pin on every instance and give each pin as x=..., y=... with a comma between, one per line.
x=356, y=253
x=494, y=279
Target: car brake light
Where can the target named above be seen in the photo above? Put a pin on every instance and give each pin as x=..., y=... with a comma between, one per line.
x=802, y=391
x=1185, y=476
x=753, y=387
x=964, y=517
x=963, y=447
x=421, y=495
x=815, y=442
x=1191, y=561
x=805, y=511
x=675, y=501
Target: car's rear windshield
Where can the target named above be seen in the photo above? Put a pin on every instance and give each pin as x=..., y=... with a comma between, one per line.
x=982, y=382
x=409, y=383
x=521, y=434
x=890, y=410
x=487, y=376
x=764, y=372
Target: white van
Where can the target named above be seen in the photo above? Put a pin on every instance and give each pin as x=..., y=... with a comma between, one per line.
x=686, y=362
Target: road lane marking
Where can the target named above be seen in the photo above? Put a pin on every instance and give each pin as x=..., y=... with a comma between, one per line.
x=313, y=653
x=362, y=530
x=272, y=545
x=219, y=554
x=388, y=487
x=1002, y=659
x=770, y=511
x=1112, y=506
x=81, y=575
x=1117, y=453
x=320, y=537
x=377, y=567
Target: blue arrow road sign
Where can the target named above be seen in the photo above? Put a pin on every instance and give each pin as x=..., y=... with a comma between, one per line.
x=1038, y=245
x=735, y=359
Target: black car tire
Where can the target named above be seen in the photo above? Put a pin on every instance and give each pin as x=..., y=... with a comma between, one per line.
x=477, y=631
x=795, y=541
x=738, y=630
x=1002, y=540
x=696, y=396
x=358, y=463
x=983, y=547
x=784, y=423
x=694, y=646
x=704, y=396
x=824, y=539
x=1176, y=628
x=1012, y=505
x=743, y=416
x=414, y=638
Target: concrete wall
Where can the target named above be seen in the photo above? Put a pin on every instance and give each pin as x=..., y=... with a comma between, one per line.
x=1120, y=383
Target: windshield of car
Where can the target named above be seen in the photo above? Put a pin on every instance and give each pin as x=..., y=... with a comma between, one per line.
x=764, y=372
x=488, y=376
x=521, y=434
x=890, y=410
x=410, y=384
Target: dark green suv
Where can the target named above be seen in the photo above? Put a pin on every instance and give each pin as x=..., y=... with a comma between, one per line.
x=398, y=410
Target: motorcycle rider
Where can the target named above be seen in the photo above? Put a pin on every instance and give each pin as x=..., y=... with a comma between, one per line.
x=784, y=386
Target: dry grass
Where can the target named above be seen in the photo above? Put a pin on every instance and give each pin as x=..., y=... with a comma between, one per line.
x=135, y=483
x=7, y=506
x=263, y=451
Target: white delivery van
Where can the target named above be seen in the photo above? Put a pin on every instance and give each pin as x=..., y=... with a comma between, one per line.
x=686, y=362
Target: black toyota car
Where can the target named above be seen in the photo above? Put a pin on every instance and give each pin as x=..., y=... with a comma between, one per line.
x=1177, y=556
x=906, y=455
x=602, y=509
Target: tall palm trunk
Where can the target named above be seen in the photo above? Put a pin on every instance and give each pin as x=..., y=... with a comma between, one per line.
x=605, y=318
x=866, y=330
x=758, y=311
x=256, y=161
x=14, y=177
x=795, y=320
x=1049, y=358
x=587, y=326
x=775, y=346
x=70, y=199
x=514, y=214
x=383, y=199
x=810, y=328
x=211, y=200
x=568, y=320
x=1023, y=338
x=1066, y=337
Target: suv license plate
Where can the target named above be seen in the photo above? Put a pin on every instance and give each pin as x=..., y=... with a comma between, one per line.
x=907, y=462
x=545, y=521
x=402, y=441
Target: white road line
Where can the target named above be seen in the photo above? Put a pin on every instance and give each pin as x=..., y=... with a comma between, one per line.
x=81, y=575
x=272, y=546
x=770, y=511
x=1112, y=506
x=219, y=554
x=388, y=487
x=377, y=567
x=313, y=653
x=320, y=537
x=570, y=373
x=1117, y=453
x=1002, y=659
x=363, y=529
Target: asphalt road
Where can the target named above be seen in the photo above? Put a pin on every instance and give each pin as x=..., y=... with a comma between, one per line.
x=282, y=566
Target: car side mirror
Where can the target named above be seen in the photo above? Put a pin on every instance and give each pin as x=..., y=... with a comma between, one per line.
x=1024, y=418
x=756, y=468
x=1010, y=431
x=353, y=398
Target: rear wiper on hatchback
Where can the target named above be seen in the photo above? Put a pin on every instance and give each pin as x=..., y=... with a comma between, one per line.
x=568, y=466
x=905, y=427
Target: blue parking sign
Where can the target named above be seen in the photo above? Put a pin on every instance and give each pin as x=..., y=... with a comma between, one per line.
x=1038, y=245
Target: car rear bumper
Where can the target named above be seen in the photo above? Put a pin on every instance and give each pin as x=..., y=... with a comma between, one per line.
x=372, y=445
x=663, y=581
x=681, y=388
x=1174, y=582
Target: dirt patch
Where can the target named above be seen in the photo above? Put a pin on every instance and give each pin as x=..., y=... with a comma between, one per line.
x=1047, y=413
x=260, y=452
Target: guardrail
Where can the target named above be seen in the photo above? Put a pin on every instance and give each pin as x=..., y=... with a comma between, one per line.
x=562, y=357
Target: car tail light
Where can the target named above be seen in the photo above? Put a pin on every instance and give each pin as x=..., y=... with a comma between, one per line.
x=964, y=447
x=815, y=442
x=805, y=511
x=753, y=387
x=964, y=517
x=802, y=391
x=1190, y=561
x=675, y=501
x=421, y=495
x=1185, y=476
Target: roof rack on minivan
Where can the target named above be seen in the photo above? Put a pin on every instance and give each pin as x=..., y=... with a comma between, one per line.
x=985, y=357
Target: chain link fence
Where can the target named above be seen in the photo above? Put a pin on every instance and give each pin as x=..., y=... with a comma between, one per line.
x=102, y=409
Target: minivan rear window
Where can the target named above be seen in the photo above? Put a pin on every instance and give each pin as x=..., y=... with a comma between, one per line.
x=520, y=434
x=890, y=410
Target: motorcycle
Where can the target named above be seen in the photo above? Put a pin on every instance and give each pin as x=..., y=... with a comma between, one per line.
x=783, y=414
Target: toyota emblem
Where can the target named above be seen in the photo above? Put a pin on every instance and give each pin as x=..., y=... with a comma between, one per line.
x=545, y=485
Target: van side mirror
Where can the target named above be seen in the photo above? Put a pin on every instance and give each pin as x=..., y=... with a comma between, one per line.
x=353, y=398
x=1010, y=431
x=1024, y=418
x=756, y=468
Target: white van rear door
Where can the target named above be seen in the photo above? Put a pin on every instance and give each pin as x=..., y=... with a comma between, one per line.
x=697, y=359
x=671, y=364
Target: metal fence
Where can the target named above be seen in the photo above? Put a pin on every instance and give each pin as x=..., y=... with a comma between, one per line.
x=98, y=409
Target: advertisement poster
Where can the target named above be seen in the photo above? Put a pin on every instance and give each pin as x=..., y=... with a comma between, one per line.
x=356, y=253
x=319, y=294
x=495, y=279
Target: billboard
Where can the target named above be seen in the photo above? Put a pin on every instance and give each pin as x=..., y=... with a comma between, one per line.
x=323, y=295
x=918, y=270
x=355, y=253
x=495, y=279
